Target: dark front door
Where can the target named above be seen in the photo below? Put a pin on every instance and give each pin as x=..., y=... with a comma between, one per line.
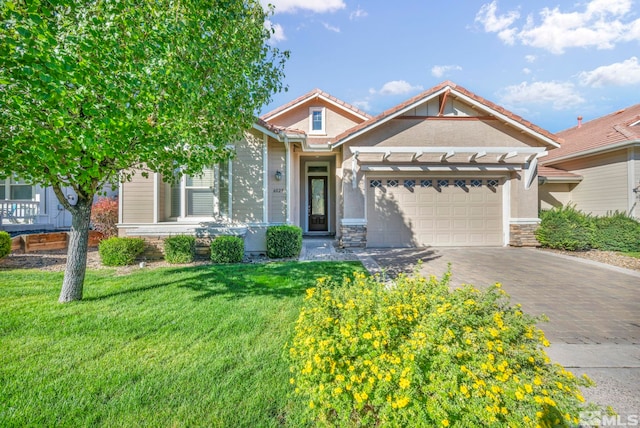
x=317, y=204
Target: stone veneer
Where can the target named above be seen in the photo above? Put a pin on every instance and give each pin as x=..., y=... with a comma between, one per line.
x=523, y=235
x=353, y=236
x=154, y=247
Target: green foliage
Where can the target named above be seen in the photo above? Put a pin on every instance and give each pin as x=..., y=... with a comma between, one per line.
x=227, y=249
x=120, y=251
x=566, y=228
x=104, y=216
x=180, y=249
x=284, y=241
x=414, y=353
x=89, y=91
x=617, y=232
x=5, y=244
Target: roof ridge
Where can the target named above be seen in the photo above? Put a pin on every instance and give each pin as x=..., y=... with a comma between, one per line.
x=310, y=95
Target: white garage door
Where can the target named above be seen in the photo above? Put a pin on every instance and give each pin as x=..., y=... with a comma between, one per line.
x=434, y=211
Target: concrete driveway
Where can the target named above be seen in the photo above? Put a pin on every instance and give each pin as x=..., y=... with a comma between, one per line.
x=593, y=309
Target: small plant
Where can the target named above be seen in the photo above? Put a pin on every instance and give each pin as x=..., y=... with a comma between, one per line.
x=415, y=353
x=227, y=249
x=566, y=228
x=117, y=251
x=284, y=241
x=180, y=249
x=617, y=232
x=5, y=244
x=104, y=216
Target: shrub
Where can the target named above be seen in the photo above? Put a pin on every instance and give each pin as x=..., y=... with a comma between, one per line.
x=227, y=249
x=565, y=228
x=284, y=241
x=5, y=244
x=120, y=251
x=104, y=216
x=617, y=232
x=180, y=249
x=414, y=353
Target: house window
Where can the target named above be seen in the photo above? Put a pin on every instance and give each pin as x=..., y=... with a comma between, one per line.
x=476, y=183
x=392, y=183
x=443, y=183
x=493, y=183
x=460, y=184
x=316, y=120
x=16, y=189
x=409, y=184
x=426, y=183
x=204, y=195
x=375, y=183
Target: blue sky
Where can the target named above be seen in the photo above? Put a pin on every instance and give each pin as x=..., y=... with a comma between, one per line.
x=548, y=61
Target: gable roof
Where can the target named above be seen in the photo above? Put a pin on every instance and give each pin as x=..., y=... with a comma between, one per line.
x=604, y=133
x=316, y=93
x=459, y=92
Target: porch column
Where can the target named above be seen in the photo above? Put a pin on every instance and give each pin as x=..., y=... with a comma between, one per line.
x=289, y=176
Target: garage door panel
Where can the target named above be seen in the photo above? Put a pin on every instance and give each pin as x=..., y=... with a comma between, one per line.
x=408, y=216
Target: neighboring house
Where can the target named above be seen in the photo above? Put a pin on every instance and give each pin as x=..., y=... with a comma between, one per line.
x=446, y=167
x=26, y=207
x=597, y=167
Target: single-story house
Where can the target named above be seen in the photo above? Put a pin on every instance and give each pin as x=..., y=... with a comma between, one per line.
x=597, y=167
x=446, y=167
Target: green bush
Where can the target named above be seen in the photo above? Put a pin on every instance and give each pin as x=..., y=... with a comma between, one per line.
x=617, y=232
x=566, y=228
x=180, y=249
x=227, y=249
x=415, y=353
x=120, y=251
x=284, y=241
x=5, y=244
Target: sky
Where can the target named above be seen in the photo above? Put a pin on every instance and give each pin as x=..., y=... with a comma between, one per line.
x=547, y=61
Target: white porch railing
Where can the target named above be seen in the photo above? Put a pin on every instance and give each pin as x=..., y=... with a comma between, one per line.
x=18, y=212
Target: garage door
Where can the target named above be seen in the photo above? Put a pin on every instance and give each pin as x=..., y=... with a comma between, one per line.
x=434, y=211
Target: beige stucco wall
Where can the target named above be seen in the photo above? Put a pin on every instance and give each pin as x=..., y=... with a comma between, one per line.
x=136, y=197
x=524, y=202
x=605, y=187
x=248, y=179
x=437, y=132
x=635, y=201
x=337, y=120
x=552, y=195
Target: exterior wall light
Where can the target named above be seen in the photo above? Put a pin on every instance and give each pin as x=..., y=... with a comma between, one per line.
x=278, y=175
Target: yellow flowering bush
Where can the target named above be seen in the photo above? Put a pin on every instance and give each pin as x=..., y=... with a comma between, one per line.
x=414, y=353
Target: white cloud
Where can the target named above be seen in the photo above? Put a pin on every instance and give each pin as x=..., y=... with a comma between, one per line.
x=560, y=95
x=498, y=24
x=277, y=34
x=601, y=24
x=440, y=70
x=396, y=87
x=619, y=74
x=526, y=70
x=331, y=27
x=530, y=58
x=316, y=6
x=357, y=14
x=362, y=105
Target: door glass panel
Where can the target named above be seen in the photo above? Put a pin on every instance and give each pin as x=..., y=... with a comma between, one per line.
x=317, y=196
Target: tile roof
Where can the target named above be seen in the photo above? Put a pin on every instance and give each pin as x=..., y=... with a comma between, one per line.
x=430, y=92
x=278, y=129
x=310, y=95
x=550, y=172
x=599, y=133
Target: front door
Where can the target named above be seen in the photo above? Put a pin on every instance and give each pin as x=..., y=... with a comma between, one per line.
x=317, y=205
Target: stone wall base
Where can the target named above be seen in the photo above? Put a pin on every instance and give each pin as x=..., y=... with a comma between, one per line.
x=154, y=247
x=523, y=235
x=353, y=236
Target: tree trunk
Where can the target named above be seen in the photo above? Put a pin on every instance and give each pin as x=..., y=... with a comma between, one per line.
x=76, y=252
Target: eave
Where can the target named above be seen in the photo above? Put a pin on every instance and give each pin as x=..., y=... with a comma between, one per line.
x=594, y=151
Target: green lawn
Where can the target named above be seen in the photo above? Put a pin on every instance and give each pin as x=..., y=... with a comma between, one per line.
x=635, y=254
x=197, y=346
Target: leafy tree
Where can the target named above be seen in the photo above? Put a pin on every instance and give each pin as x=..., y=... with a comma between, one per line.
x=91, y=90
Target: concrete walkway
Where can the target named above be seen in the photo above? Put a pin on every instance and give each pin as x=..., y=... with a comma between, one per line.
x=593, y=308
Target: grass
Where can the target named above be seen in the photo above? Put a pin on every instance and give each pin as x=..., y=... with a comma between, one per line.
x=635, y=254
x=199, y=346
